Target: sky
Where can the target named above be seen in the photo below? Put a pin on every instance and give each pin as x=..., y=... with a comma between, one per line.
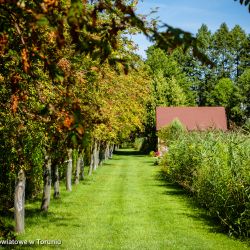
x=189, y=15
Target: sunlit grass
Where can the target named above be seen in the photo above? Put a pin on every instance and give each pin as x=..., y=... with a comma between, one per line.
x=125, y=206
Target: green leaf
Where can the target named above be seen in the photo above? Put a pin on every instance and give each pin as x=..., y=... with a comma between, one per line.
x=43, y=21
x=74, y=139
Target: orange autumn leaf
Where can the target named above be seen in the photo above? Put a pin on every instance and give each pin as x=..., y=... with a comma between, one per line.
x=68, y=121
x=14, y=103
x=80, y=130
x=25, y=60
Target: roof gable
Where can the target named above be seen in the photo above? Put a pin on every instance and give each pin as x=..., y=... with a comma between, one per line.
x=194, y=118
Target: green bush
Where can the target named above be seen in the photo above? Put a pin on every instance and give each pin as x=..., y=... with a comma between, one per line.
x=246, y=126
x=172, y=131
x=138, y=143
x=215, y=167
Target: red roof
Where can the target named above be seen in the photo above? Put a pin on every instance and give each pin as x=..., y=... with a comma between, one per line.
x=194, y=118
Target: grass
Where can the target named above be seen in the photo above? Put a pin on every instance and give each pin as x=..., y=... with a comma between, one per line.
x=125, y=206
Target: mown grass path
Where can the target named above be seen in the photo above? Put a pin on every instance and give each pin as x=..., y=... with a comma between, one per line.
x=125, y=206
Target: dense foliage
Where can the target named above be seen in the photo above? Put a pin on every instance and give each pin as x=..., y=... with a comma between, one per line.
x=172, y=132
x=65, y=88
x=179, y=79
x=215, y=168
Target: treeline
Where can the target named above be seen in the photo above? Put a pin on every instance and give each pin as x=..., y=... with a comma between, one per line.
x=79, y=120
x=71, y=90
x=179, y=79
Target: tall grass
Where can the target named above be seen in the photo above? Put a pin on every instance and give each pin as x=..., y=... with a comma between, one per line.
x=215, y=168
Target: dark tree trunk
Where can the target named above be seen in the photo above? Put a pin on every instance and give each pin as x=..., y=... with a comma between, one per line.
x=46, y=184
x=19, y=201
x=69, y=171
x=101, y=154
x=56, y=182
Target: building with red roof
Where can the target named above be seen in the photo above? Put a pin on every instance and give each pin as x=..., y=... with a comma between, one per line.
x=193, y=118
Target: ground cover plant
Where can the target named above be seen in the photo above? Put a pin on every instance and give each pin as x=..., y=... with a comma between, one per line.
x=215, y=167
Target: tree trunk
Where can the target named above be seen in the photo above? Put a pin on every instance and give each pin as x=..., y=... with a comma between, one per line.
x=95, y=156
x=111, y=149
x=56, y=182
x=91, y=160
x=78, y=169
x=98, y=154
x=46, y=184
x=107, y=151
x=82, y=167
x=74, y=161
x=101, y=154
x=69, y=171
x=19, y=201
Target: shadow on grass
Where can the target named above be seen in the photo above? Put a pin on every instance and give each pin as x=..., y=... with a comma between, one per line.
x=152, y=162
x=197, y=212
x=211, y=222
x=129, y=153
x=37, y=213
x=48, y=217
x=87, y=181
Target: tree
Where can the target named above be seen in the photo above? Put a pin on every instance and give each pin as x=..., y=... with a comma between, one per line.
x=244, y=87
x=170, y=86
x=228, y=50
x=222, y=93
x=162, y=66
x=221, y=44
x=238, y=50
x=227, y=95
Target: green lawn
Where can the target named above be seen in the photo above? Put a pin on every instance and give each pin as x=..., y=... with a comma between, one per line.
x=125, y=206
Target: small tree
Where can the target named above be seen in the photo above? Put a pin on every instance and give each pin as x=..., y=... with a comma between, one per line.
x=172, y=131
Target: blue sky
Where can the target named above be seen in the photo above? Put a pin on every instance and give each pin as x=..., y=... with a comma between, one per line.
x=191, y=14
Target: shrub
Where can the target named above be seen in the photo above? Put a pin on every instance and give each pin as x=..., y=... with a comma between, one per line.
x=138, y=143
x=215, y=168
x=172, y=131
x=246, y=126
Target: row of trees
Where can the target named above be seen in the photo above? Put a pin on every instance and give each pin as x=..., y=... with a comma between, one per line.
x=179, y=79
x=65, y=93
x=85, y=116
